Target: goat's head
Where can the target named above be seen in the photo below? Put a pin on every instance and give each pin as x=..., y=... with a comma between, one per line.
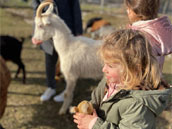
x=43, y=24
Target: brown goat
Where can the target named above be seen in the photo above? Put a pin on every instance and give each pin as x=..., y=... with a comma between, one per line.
x=5, y=79
x=98, y=24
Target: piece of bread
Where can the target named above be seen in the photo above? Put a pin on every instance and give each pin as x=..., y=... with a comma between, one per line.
x=83, y=107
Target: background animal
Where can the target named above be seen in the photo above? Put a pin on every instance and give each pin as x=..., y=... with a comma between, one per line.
x=10, y=49
x=98, y=27
x=91, y=21
x=5, y=79
x=78, y=55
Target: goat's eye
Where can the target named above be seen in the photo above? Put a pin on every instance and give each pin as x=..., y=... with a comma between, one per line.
x=40, y=26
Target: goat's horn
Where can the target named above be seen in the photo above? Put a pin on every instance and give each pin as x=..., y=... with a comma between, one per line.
x=48, y=1
x=41, y=6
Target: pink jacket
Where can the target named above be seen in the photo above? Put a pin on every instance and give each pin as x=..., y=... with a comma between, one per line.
x=159, y=33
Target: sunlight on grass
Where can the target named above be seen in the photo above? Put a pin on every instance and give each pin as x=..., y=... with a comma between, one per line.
x=13, y=25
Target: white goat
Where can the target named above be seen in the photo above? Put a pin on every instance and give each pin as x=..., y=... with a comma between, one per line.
x=78, y=58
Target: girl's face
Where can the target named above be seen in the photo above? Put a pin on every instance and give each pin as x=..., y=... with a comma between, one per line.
x=113, y=72
x=132, y=15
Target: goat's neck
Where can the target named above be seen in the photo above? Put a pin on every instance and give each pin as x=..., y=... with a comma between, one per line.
x=62, y=41
x=62, y=36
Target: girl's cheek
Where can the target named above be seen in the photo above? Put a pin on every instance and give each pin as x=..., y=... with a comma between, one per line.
x=116, y=75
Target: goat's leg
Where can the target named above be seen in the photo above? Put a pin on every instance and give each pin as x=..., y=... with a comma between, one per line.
x=18, y=71
x=20, y=66
x=24, y=74
x=68, y=96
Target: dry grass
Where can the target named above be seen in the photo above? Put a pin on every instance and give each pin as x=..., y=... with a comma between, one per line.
x=24, y=109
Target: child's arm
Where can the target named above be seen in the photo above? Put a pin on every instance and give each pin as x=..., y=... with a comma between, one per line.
x=134, y=115
x=85, y=121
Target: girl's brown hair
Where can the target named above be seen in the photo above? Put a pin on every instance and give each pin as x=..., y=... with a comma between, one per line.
x=131, y=49
x=144, y=9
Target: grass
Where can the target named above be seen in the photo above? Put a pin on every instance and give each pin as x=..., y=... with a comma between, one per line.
x=24, y=109
x=15, y=3
x=13, y=24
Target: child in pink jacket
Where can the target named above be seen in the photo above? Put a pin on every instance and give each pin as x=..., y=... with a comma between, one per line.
x=143, y=15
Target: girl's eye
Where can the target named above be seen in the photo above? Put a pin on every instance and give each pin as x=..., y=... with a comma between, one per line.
x=109, y=65
x=112, y=65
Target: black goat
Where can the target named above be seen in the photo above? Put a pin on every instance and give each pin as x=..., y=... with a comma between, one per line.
x=10, y=49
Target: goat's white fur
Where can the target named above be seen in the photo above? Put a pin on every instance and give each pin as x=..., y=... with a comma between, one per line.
x=78, y=58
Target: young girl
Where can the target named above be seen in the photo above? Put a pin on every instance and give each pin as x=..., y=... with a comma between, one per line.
x=143, y=15
x=131, y=95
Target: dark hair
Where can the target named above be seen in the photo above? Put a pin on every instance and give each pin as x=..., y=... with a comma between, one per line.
x=145, y=9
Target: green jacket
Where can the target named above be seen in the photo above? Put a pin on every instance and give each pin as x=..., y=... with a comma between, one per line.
x=128, y=109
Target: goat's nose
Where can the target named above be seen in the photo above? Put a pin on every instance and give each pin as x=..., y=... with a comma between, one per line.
x=35, y=41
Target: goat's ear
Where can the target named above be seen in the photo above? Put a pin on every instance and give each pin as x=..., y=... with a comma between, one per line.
x=46, y=21
x=38, y=21
x=50, y=9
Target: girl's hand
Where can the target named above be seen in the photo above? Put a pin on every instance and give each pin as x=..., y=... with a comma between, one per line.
x=83, y=120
